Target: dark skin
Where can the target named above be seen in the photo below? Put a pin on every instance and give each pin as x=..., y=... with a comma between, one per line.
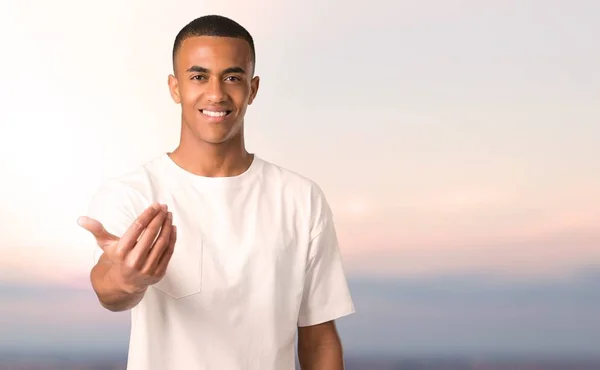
x=214, y=74
x=217, y=73
x=320, y=347
x=133, y=261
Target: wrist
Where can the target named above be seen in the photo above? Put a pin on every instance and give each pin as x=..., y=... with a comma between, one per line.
x=122, y=287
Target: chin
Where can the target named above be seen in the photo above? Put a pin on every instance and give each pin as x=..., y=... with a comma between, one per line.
x=214, y=141
x=214, y=133
x=218, y=137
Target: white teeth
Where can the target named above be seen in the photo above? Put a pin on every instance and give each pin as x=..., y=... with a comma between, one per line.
x=214, y=114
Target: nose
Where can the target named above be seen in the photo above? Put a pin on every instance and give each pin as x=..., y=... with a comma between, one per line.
x=215, y=92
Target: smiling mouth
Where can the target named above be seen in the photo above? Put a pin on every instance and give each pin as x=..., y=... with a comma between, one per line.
x=216, y=114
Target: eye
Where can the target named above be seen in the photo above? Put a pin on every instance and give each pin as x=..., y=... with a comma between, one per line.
x=233, y=78
x=198, y=77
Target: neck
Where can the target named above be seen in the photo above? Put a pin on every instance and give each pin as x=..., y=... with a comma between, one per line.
x=213, y=160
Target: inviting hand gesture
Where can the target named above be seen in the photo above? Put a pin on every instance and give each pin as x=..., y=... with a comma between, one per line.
x=140, y=257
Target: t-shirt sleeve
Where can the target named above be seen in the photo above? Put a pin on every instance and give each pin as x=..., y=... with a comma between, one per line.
x=326, y=294
x=116, y=206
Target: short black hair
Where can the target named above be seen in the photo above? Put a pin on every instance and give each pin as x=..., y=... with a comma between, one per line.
x=213, y=25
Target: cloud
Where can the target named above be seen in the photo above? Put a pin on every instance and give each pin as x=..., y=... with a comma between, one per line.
x=466, y=314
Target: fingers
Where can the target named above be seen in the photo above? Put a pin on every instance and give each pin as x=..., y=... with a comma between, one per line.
x=163, y=262
x=131, y=236
x=160, y=245
x=138, y=255
x=97, y=230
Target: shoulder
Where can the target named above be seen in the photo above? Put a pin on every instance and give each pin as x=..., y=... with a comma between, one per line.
x=301, y=192
x=134, y=186
x=118, y=200
x=297, y=184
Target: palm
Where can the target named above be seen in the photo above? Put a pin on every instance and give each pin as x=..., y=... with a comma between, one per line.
x=142, y=254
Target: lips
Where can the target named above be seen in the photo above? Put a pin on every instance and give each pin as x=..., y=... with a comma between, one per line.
x=215, y=113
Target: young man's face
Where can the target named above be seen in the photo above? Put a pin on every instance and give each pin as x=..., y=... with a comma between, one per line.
x=214, y=85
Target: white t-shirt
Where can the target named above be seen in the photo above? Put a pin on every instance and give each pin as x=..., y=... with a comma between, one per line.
x=256, y=256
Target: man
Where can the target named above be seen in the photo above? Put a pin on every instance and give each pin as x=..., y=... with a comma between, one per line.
x=220, y=255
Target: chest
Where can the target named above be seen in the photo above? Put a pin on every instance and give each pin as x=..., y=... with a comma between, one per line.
x=234, y=242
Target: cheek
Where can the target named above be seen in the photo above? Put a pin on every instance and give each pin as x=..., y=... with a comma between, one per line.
x=239, y=95
x=189, y=95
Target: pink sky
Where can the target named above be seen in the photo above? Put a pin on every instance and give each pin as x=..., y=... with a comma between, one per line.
x=467, y=146
x=456, y=142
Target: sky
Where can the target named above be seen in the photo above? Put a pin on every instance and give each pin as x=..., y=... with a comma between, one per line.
x=452, y=139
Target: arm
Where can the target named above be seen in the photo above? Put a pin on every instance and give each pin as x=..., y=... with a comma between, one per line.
x=325, y=296
x=110, y=295
x=320, y=347
x=133, y=262
x=134, y=243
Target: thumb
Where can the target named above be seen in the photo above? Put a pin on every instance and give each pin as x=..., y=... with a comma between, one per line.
x=97, y=229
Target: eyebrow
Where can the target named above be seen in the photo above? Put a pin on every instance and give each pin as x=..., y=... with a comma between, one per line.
x=199, y=69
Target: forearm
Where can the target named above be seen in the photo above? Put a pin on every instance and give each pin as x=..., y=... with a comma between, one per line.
x=110, y=294
x=325, y=356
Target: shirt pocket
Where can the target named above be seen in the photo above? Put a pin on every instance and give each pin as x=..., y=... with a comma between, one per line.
x=183, y=277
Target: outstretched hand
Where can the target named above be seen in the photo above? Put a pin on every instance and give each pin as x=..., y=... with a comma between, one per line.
x=140, y=257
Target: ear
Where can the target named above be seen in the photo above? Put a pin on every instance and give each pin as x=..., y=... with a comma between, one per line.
x=253, y=89
x=174, y=89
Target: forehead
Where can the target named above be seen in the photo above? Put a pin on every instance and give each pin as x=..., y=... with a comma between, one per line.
x=214, y=52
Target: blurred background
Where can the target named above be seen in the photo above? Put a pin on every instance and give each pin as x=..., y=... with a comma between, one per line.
x=457, y=142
